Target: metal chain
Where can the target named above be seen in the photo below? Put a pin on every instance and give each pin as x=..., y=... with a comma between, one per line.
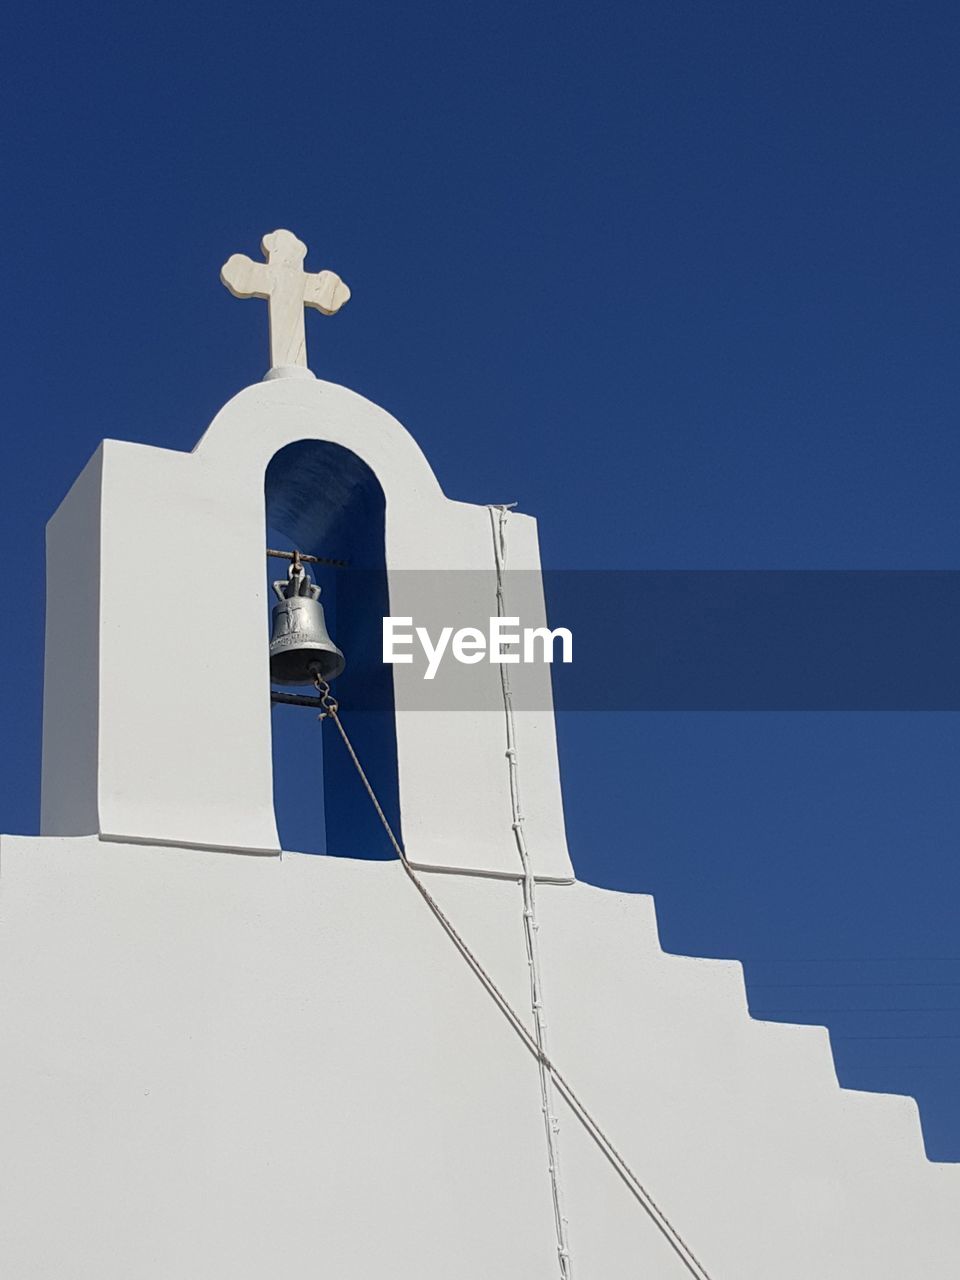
x=327, y=701
x=330, y=710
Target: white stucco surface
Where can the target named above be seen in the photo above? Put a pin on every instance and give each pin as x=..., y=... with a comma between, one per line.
x=217, y=1060
x=224, y=1065
x=164, y=706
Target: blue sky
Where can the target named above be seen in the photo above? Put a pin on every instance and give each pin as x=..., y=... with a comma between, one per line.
x=679, y=278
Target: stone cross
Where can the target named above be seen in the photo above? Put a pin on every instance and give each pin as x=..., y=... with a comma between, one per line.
x=287, y=289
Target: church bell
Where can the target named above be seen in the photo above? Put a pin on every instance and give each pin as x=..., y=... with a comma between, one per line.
x=300, y=645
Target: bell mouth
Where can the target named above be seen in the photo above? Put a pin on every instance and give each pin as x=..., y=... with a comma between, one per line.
x=302, y=666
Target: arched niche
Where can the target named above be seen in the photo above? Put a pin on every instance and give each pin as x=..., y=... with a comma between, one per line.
x=323, y=500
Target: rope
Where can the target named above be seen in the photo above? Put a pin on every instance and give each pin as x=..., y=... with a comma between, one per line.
x=531, y=927
x=633, y=1184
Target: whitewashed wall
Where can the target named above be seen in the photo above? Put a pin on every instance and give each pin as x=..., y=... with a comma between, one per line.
x=157, y=725
x=223, y=1065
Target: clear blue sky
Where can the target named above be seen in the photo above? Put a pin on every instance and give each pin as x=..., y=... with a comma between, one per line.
x=679, y=278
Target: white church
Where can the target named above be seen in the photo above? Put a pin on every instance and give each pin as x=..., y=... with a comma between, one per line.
x=225, y=1060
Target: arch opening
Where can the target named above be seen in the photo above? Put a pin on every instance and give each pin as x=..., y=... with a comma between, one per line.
x=323, y=500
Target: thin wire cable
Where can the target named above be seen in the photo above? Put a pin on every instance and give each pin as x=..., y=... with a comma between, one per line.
x=531, y=927
x=579, y=1109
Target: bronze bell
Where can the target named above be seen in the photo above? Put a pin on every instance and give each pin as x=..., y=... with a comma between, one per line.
x=300, y=645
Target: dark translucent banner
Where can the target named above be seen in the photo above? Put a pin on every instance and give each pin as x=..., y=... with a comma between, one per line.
x=666, y=641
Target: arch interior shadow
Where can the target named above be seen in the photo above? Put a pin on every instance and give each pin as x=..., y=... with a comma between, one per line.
x=321, y=499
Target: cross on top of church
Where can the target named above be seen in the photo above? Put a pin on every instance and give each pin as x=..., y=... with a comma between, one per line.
x=287, y=289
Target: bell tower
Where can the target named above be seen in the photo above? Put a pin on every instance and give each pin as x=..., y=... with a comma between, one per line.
x=166, y=697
